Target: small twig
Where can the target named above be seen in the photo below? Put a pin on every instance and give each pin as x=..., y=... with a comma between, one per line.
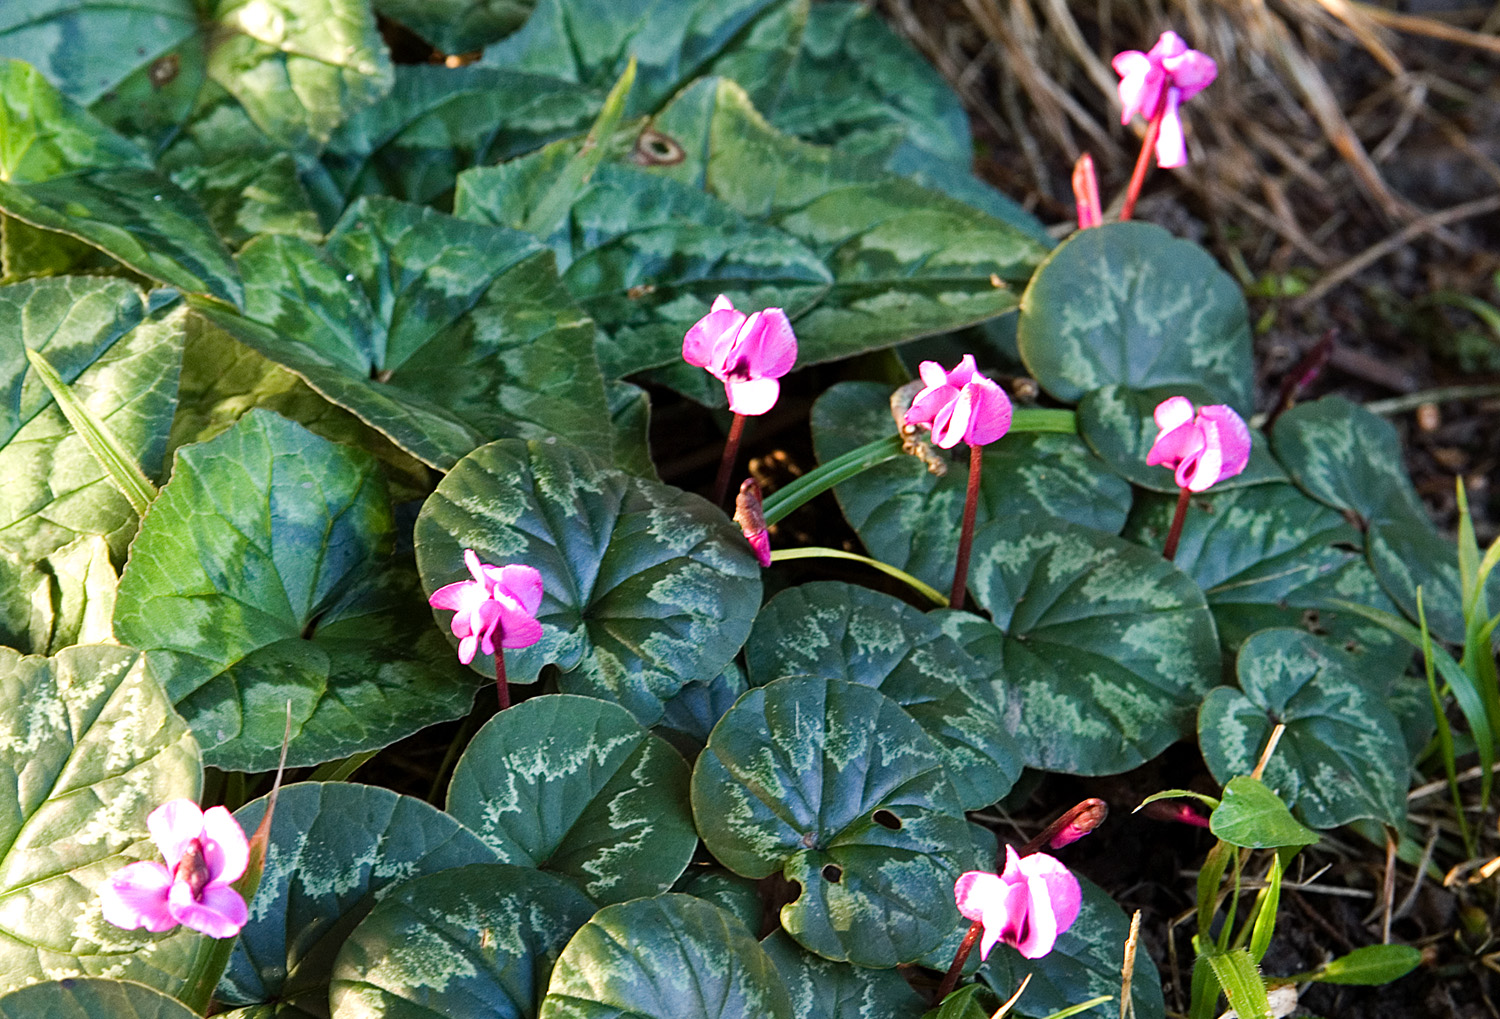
x=1127, y=972
x=1433, y=787
x=1416, y=885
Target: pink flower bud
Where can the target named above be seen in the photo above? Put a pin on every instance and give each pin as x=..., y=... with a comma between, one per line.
x=748, y=513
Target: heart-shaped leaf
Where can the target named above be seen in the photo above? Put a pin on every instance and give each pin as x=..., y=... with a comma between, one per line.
x=89, y=745
x=263, y=574
x=64, y=171
x=334, y=847
x=738, y=896
x=695, y=709
x=823, y=989
x=1129, y=303
x=670, y=957
x=839, y=631
x=1101, y=650
x=1268, y=556
x=91, y=998
x=574, y=786
x=438, y=121
x=1341, y=454
x=647, y=587
x=458, y=26
x=908, y=517
x=1085, y=963
x=474, y=337
x=1117, y=423
x=473, y=940
x=834, y=786
x=1342, y=756
x=1252, y=816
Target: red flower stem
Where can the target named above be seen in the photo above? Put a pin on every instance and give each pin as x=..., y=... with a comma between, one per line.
x=950, y=979
x=966, y=535
x=731, y=454
x=1142, y=163
x=1169, y=552
x=500, y=684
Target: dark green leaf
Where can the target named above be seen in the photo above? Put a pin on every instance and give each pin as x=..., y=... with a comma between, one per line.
x=834, y=786
x=839, y=631
x=62, y=170
x=647, y=587
x=474, y=940
x=65, y=598
x=737, y=896
x=334, y=848
x=1085, y=963
x=910, y=518
x=1341, y=454
x=1100, y=649
x=1117, y=423
x=823, y=989
x=263, y=574
x=249, y=195
x=574, y=786
x=89, y=745
x=458, y=26
x=965, y=1003
x=1372, y=964
x=1342, y=756
x=91, y=998
x=630, y=428
x=695, y=709
x=1128, y=303
x=1252, y=816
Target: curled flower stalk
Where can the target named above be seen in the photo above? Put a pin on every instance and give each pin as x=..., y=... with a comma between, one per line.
x=749, y=354
x=961, y=406
x=1155, y=84
x=499, y=600
x=205, y=852
x=1201, y=447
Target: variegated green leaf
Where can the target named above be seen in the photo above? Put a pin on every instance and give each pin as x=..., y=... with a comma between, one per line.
x=693, y=711
x=737, y=896
x=264, y=575
x=458, y=26
x=475, y=940
x=647, y=587
x=832, y=785
x=247, y=195
x=89, y=745
x=1128, y=303
x=62, y=170
x=91, y=998
x=1342, y=756
x=1100, y=649
x=334, y=849
x=823, y=989
x=574, y=786
x=839, y=631
x=1117, y=423
x=670, y=957
x=908, y=517
x=65, y=598
x=1342, y=455
x=1085, y=963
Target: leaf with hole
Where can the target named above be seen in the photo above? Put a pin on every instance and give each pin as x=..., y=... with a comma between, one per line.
x=575, y=787
x=1128, y=303
x=832, y=785
x=1342, y=756
x=335, y=848
x=839, y=631
x=910, y=518
x=263, y=574
x=1099, y=650
x=479, y=939
x=647, y=588
x=89, y=744
x=668, y=957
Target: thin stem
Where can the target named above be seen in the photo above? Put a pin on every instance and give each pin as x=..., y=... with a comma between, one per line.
x=950, y=978
x=1169, y=552
x=731, y=454
x=782, y=555
x=500, y=684
x=1142, y=164
x=966, y=535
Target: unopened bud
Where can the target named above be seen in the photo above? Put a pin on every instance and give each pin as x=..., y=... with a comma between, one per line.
x=749, y=514
x=1175, y=810
x=1086, y=192
x=1078, y=822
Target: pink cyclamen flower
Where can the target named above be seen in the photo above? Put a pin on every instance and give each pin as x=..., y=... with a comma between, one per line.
x=206, y=853
x=1157, y=83
x=1027, y=906
x=961, y=405
x=1203, y=448
x=747, y=353
x=503, y=598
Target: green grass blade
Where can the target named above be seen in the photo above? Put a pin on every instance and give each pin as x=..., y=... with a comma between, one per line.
x=816, y=552
x=1240, y=978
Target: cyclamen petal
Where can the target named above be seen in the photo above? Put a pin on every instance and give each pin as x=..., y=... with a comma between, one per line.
x=1155, y=84
x=1026, y=906
x=960, y=405
x=1210, y=447
x=747, y=353
x=136, y=896
x=499, y=598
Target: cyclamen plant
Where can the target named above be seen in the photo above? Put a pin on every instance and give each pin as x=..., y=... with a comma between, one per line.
x=291, y=355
